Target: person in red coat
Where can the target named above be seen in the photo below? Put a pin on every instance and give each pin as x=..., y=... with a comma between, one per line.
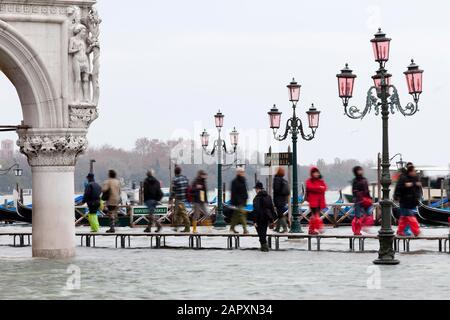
x=315, y=195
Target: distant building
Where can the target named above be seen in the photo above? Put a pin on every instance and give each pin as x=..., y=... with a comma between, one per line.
x=7, y=149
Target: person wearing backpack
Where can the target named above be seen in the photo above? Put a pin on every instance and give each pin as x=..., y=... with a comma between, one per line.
x=263, y=214
x=281, y=192
x=199, y=198
x=91, y=197
x=152, y=195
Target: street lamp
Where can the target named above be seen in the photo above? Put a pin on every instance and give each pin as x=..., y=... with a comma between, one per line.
x=383, y=98
x=18, y=172
x=294, y=126
x=220, y=146
x=400, y=164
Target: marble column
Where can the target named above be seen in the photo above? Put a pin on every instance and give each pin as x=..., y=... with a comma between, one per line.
x=52, y=157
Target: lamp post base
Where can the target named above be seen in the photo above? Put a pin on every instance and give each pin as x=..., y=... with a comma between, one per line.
x=296, y=227
x=386, y=254
x=386, y=262
x=220, y=222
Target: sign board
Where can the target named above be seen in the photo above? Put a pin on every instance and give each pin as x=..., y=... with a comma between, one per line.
x=143, y=211
x=278, y=159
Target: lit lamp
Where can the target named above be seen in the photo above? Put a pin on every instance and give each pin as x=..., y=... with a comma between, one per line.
x=346, y=82
x=414, y=78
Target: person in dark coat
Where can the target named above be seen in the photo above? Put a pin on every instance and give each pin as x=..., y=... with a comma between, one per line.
x=315, y=195
x=263, y=214
x=281, y=192
x=363, y=202
x=408, y=191
x=152, y=195
x=239, y=197
x=91, y=197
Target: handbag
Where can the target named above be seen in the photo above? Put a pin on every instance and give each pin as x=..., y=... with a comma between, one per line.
x=366, y=202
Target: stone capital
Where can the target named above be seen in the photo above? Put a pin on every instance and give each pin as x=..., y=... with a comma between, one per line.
x=52, y=148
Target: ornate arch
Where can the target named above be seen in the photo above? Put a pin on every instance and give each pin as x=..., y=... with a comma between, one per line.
x=41, y=107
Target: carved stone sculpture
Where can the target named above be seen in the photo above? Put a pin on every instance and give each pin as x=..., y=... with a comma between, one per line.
x=52, y=150
x=84, y=48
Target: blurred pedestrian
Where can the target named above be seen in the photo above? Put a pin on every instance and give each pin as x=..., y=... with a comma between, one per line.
x=200, y=198
x=239, y=197
x=315, y=195
x=363, y=202
x=178, y=194
x=263, y=214
x=409, y=192
x=281, y=192
x=152, y=195
x=111, y=195
x=91, y=197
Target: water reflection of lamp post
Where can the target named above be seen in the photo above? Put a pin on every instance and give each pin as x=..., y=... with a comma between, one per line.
x=383, y=98
x=294, y=126
x=220, y=146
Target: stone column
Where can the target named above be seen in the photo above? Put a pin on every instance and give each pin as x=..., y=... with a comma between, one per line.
x=52, y=156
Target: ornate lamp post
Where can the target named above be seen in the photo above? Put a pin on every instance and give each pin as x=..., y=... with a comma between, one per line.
x=18, y=172
x=220, y=146
x=383, y=98
x=294, y=126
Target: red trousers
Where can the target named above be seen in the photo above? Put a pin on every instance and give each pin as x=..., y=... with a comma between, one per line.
x=410, y=221
x=315, y=224
x=359, y=223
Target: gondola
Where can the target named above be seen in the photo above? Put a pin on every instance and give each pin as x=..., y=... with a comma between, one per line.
x=430, y=215
x=12, y=214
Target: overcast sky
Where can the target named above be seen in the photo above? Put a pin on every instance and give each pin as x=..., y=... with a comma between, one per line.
x=168, y=66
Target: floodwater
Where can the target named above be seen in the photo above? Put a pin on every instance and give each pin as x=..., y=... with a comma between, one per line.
x=216, y=273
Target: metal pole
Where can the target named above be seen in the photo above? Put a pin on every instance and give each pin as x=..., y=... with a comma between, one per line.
x=220, y=219
x=269, y=182
x=386, y=254
x=296, y=225
x=290, y=184
x=91, y=166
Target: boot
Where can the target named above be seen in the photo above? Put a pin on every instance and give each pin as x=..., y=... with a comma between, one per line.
x=148, y=230
x=264, y=248
x=111, y=230
x=158, y=227
x=233, y=230
x=246, y=231
x=194, y=226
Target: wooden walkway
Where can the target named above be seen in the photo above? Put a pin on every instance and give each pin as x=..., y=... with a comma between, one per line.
x=159, y=240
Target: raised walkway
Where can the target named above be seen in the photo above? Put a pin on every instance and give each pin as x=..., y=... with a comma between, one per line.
x=194, y=241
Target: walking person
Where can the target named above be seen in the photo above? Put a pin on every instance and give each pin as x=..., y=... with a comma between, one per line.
x=315, y=195
x=363, y=202
x=152, y=195
x=281, y=192
x=239, y=197
x=91, y=197
x=408, y=191
x=263, y=214
x=200, y=198
x=111, y=195
x=178, y=194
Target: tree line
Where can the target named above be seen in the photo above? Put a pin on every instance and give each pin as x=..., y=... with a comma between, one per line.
x=132, y=165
